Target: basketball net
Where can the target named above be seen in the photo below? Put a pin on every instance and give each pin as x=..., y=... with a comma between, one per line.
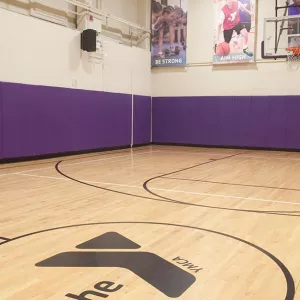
x=293, y=58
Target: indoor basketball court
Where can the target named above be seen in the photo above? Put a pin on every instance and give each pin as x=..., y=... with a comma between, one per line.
x=214, y=215
x=121, y=191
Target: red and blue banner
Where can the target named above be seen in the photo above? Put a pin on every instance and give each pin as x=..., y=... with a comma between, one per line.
x=235, y=31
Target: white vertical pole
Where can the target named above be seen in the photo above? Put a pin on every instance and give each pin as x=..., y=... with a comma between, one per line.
x=132, y=111
x=151, y=122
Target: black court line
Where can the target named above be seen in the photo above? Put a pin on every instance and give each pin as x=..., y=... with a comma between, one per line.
x=290, y=284
x=188, y=168
x=145, y=185
x=173, y=201
x=234, y=184
x=79, y=156
x=4, y=240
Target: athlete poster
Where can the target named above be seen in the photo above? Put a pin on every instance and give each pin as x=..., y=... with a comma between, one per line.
x=235, y=31
x=169, y=33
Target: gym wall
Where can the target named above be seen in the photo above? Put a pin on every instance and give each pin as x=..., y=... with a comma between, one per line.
x=42, y=53
x=258, y=79
x=244, y=105
x=128, y=10
x=45, y=84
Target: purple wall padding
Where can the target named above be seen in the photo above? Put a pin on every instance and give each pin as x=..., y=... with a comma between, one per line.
x=277, y=123
x=41, y=120
x=293, y=122
x=141, y=120
x=244, y=121
x=259, y=121
x=232, y=111
x=1, y=121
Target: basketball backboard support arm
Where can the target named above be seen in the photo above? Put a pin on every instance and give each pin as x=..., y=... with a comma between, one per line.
x=281, y=24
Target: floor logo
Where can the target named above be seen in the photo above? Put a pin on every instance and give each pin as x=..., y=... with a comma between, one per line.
x=158, y=272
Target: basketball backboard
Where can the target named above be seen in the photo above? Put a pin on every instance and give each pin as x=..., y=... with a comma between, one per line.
x=279, y=34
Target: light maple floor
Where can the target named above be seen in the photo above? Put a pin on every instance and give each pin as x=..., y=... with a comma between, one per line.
x=233, y=213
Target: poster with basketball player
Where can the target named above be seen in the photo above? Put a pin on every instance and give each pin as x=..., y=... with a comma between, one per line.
x=169, y=33
x=235, y=31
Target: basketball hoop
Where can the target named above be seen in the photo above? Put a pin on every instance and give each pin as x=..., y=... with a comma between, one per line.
x=293, y=58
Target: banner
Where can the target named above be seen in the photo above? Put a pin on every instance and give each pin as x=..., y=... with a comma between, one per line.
x=169, y=33
x=235, y=31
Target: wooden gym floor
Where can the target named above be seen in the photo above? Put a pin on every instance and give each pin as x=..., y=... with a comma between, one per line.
x=156, y=222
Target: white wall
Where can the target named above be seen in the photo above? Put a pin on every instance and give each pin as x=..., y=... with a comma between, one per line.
x=258, y=79
x=38, y=52
x=137, y=11
x=126, y=9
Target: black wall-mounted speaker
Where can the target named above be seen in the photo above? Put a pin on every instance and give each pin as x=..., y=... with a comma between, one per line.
x=89, y=40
